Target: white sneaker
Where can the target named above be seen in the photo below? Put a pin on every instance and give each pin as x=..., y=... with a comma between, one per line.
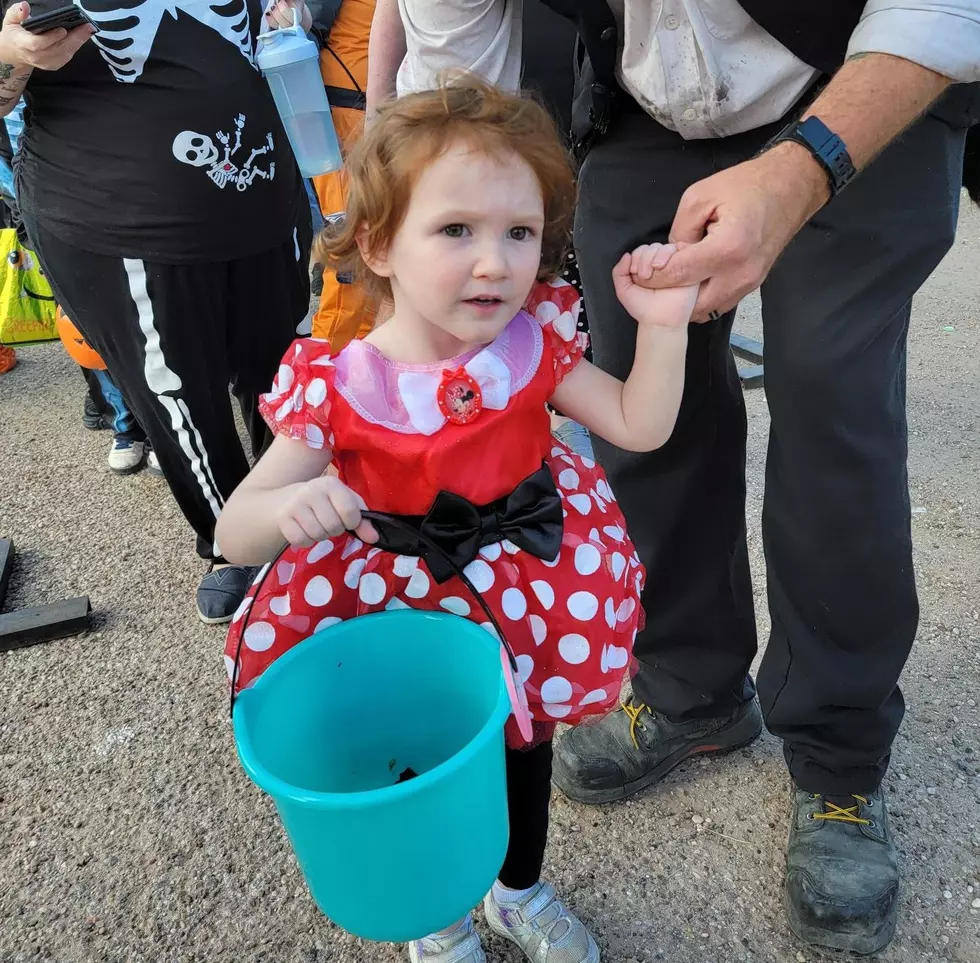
x=153, y=464
x=543, y=927
x=126, y=457
x=460, y=946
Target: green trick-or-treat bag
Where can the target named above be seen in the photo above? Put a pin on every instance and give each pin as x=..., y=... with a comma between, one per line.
x=27, y=304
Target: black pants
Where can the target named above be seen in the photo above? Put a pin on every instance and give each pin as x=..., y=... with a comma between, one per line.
x=528, y=797
x=174, y=337
x=835, y=522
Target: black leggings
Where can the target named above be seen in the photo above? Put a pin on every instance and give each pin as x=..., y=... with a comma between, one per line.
x=528, y=798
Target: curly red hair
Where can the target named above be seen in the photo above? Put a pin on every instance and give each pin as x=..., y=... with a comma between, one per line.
x=409, y=133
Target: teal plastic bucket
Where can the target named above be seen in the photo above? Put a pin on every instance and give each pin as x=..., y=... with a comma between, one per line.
x=330, y=727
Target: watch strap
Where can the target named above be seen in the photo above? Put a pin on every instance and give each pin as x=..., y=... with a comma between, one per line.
x=828, y=149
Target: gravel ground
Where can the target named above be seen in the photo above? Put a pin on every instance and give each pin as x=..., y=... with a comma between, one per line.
x=131, y=834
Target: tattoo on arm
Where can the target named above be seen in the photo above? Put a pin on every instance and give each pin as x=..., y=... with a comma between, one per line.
x=13, y=80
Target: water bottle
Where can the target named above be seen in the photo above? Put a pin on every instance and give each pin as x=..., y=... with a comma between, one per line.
x=290, y=62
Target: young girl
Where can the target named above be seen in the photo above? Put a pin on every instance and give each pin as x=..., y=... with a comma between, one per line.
x=460, y=199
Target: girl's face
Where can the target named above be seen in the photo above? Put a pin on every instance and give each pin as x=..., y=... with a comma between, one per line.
x=466, y=255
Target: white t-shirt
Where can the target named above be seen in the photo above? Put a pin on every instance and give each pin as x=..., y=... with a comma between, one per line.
x=480, y=36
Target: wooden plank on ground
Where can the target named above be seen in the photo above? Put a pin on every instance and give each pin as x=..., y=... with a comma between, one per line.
x=747, y=348
x=57, y=620
x=751, y=376
x=6, y=566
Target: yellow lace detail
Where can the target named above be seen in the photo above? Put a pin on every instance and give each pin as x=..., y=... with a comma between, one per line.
x=634, y=712
x=844, y=814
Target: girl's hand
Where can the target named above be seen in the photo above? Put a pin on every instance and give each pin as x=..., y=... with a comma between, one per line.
x=323, y=508
x=46, y=51
x=280, y=14
x=664, y=307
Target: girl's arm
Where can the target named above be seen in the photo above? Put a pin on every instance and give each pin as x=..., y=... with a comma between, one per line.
x=386, y=51
x=287, y=498
x=640, y=414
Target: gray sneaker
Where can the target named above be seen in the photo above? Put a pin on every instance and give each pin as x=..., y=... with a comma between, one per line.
x=842, y=872
x=631, y=749
x=542, y=926
x=462, y=946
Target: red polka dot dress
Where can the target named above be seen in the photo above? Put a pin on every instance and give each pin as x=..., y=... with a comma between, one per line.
x=475, y=426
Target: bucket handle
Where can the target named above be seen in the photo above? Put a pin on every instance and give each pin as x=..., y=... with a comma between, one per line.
x=406, y=529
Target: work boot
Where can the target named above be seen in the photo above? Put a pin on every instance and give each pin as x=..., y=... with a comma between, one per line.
x=841, y=872
x=631, y=749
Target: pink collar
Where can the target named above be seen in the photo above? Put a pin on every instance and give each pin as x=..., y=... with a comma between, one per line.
x=403, y=397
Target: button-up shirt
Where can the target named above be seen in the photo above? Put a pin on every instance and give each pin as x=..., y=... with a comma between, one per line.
x=704, y=68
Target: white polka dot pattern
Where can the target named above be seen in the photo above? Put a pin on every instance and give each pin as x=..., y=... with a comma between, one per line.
x=571, y=621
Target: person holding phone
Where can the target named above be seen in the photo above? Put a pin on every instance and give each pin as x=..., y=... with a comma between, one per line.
x=181, y=254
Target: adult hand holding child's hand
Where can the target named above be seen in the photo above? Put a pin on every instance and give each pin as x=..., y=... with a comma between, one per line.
x=322, y=508
x=737, y=222
x=20, y=48
x=661, y=307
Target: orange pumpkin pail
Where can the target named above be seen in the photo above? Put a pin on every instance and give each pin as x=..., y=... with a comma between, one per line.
x=76, y=346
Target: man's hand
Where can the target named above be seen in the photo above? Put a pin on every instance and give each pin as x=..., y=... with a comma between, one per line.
x=280, y=14
x=740, y=220
x=735, y=224
x=19, y=48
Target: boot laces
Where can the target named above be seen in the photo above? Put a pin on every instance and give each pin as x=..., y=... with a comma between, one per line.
x=634, y=710
x=843, y=814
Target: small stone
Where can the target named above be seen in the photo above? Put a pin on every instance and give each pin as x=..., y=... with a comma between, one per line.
x=976, y=904
x=697, y=820
x=800, y=958
x=947, y=895
x=931, y=790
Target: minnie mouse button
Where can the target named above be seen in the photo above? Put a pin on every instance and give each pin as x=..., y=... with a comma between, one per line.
x=459, y=396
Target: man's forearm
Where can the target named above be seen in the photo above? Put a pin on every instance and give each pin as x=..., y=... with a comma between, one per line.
x=386, y=50
x=872, y=99
x=869, y=102
x=13, y=80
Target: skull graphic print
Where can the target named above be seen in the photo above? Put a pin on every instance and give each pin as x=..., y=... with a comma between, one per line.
x=200, y=150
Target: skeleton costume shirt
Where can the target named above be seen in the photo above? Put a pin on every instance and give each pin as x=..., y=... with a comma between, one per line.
x=160, y=138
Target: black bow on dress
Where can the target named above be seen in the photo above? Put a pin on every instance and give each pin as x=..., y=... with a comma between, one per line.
x=530, y=517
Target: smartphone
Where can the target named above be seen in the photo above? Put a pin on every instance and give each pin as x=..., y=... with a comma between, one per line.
x=67, y=17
